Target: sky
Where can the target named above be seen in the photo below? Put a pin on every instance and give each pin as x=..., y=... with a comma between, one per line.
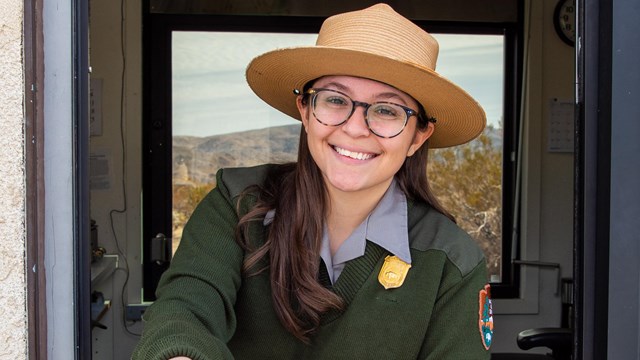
x=211, y=96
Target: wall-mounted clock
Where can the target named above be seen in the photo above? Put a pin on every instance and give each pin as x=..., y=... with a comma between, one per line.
x=564, y=20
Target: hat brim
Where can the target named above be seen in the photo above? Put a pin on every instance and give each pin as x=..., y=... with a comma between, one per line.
x=273, y=76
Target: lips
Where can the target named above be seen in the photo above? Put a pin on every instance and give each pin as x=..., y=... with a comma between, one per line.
x=353, y=154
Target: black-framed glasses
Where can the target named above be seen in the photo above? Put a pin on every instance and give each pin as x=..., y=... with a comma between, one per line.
x=334, y=108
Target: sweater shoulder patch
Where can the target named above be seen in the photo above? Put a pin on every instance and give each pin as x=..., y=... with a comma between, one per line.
x=431, y=230
x=485, y=315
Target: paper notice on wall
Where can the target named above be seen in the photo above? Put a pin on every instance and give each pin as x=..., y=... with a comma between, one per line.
x=561, y=126
x=100, y=170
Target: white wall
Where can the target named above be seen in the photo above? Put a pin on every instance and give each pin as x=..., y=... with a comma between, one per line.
x=547, y=193
x=107, y=64
x=12, y=190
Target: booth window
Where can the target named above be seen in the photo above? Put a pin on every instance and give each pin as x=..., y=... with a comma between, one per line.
x=200, y=116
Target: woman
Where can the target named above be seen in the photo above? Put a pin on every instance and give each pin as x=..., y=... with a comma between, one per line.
x=345, y=254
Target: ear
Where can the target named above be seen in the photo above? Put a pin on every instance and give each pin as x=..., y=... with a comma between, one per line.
x=304, y=111
x=419, y=138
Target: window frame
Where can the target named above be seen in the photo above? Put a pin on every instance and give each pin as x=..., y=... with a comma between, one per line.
x=157, y=110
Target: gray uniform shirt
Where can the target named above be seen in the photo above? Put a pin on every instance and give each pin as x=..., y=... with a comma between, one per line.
x=385, y=226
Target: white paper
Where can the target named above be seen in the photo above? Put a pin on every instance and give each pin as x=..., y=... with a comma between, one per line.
x=100, y=170
x=561, y=126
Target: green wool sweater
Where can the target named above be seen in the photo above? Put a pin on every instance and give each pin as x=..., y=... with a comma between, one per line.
x=207, y=309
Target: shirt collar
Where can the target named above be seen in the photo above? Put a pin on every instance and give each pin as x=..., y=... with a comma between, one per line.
x=386, y=226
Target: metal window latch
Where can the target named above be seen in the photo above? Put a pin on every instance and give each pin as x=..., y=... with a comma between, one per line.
x=160, y=249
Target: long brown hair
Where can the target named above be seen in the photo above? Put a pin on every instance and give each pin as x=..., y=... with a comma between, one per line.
x=296, y=192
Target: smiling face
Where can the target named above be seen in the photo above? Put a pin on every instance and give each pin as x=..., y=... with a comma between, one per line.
x=350, y=157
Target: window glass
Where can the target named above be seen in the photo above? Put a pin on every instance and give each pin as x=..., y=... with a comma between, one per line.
x=468, y=179
x=217, y=121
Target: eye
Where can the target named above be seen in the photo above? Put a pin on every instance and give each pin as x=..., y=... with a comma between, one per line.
x=330, y=99
x=386, y=111
x=335, y=100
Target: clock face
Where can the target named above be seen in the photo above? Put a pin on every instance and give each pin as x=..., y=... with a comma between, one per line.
x=564, y=20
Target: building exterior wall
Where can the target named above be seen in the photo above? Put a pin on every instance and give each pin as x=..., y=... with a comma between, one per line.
x=13, y=313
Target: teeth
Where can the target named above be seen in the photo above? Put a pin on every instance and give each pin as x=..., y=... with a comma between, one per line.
x=352, y=154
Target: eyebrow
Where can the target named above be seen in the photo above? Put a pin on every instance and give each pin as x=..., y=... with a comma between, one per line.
x=385, y=95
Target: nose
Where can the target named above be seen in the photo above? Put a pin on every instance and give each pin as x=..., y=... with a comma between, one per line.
x=356, y=124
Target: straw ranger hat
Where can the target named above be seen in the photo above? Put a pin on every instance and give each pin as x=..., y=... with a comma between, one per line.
x=379, y=44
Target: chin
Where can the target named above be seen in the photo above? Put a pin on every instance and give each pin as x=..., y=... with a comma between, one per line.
x=346, y=187
x=358, y=185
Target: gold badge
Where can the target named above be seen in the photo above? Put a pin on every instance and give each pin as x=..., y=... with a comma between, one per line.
x=393, y=272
